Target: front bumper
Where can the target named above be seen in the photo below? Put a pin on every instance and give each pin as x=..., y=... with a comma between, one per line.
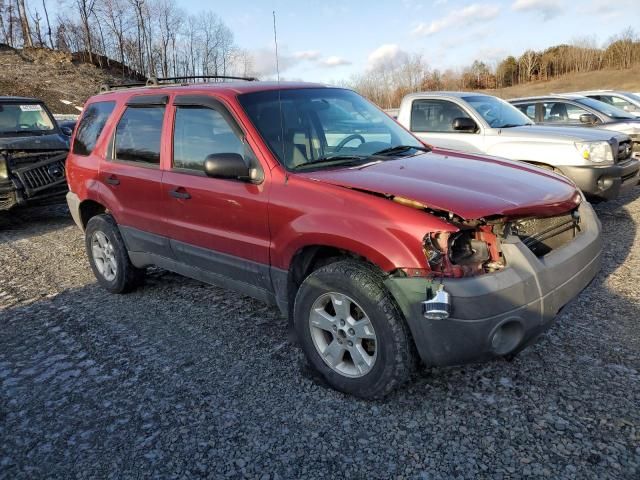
x=501, y=313
x=38, y=182
x=605, y=182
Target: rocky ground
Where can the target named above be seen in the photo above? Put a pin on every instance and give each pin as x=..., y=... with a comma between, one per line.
x=181, y=379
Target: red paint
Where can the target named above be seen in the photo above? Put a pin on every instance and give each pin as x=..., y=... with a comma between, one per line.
x=270, y=222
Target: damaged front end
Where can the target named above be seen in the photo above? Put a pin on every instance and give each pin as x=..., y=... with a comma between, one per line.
x=494, y=285
x=476, y=249
x=31, y=176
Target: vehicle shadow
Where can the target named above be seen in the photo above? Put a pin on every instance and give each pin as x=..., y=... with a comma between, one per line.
x=29, y=221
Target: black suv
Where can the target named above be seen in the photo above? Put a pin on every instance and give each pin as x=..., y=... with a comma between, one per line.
x=33, y=150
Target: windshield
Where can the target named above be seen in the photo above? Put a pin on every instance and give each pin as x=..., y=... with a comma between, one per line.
x=604, y=108
x=496, y=112
x=323, y=124
x=635, y=98
x=24, y=117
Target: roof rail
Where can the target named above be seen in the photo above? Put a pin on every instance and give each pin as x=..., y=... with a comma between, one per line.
x=108, y=87
x=155, y=81
x=158, y=81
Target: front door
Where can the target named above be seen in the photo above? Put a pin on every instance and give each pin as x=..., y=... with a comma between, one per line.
x=432, y=122
x=217, y=225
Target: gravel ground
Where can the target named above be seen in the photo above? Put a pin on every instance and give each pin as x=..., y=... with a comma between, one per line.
x=182, y=379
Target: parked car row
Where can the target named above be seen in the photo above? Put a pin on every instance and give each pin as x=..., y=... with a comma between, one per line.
x=380, y=249
x=600, y=161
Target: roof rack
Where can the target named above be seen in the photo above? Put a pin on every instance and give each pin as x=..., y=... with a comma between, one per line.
x=158, y=81
x=155, y=81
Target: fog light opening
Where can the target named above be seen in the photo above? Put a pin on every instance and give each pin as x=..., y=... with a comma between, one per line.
x=507, y=337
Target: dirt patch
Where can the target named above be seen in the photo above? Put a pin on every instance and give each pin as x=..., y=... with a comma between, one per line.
x=55, y=77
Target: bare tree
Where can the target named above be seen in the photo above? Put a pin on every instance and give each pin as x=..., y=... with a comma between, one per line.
x=24, y=24
x=86, y=11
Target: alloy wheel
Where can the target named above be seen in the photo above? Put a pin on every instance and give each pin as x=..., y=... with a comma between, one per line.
x=104, y=256
x=343, y=334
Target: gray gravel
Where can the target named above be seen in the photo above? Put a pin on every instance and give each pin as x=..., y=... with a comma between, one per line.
x=181, y=379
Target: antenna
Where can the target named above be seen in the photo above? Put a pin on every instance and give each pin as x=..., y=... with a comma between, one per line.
x=275, y=41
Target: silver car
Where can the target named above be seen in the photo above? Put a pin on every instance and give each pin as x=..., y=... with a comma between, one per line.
x=599, y=161
x=627, y=101
x=567, y=109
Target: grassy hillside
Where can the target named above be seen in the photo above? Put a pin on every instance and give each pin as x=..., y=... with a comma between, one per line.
x=604, y=79
x=64, y=84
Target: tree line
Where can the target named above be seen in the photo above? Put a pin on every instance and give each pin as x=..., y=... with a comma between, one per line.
x=387, y=83
x=148, y=37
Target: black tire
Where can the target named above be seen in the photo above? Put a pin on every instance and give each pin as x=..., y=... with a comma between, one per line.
x=127, y=277
x=394, y=361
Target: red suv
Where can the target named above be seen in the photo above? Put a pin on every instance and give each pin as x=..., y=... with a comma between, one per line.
x=377, y=248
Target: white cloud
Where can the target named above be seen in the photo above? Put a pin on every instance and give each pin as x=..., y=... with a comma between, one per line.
x=334, y=61
x=466, y=16
x=263, y=60
x=548, y=9
x=388, y=54
x=307, y=55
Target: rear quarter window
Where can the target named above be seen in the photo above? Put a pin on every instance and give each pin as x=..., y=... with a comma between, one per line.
x=91, y=125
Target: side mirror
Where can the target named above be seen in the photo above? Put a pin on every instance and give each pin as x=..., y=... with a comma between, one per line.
x=589, y=118
x=226, y=165
x=66, y=131
x=464, y=124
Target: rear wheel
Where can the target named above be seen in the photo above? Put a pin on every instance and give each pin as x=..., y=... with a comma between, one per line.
x=108, y=256
x=351, y=330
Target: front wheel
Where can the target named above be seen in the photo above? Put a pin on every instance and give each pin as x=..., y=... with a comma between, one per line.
x=351, y=330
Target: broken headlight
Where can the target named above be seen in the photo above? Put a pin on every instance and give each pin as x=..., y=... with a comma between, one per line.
x=4, y=171
x=596, y=152
x=464, y=253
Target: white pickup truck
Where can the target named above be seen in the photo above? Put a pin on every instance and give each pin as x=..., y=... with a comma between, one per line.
x=600, y=162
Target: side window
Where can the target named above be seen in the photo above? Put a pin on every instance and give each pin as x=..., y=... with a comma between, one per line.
x=561, y=112
x=435, y=115
x=199, y=132
x=93, y=121
x=138, y=135
x=529, y=109
x=618, y=102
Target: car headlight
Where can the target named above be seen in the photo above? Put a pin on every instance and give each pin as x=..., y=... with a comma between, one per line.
x=596, y=152
x=4, y=172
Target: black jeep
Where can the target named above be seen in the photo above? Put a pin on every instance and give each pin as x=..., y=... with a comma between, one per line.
x=33, y=150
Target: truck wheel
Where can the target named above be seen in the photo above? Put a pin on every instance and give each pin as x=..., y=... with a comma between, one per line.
x=108, y=256
x=351, y=331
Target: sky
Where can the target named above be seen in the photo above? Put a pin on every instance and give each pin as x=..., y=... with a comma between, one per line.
x=331, y=40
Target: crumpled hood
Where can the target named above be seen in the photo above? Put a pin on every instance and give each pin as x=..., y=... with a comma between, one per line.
x=469, y=186
x=54, y=141
x=576, y=134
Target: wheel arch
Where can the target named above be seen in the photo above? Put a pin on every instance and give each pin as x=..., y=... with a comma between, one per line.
x=89, y=209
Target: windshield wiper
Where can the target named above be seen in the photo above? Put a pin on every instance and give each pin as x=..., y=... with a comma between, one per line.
x=337, y=159
x=398, y=149
x=511, y=125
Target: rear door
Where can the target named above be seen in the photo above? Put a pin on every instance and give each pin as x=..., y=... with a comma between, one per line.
x=432, y=121
x=217, y=225
x=132, y=175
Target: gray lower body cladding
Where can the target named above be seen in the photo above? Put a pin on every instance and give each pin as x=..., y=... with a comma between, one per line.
x=501, y=313
x=605, y=182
